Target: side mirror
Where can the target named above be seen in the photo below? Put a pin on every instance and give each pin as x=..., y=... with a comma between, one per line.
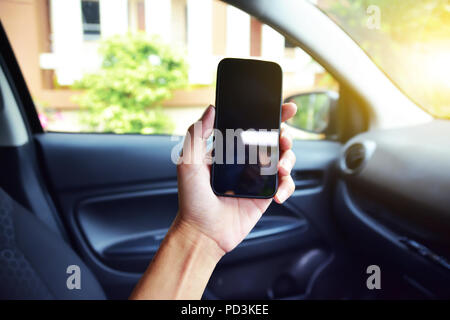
x=316, y=112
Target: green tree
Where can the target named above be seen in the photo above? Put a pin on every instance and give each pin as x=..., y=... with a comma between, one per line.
x=137, y=74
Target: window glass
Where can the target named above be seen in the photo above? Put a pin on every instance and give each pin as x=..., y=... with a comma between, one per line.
x=140, y=66
x=91, y=19
x=408, y=39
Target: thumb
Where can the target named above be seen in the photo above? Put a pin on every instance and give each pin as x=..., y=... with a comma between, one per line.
x=194, y=147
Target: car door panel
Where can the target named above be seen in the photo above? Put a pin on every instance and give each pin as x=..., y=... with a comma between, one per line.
x=118, y=196
x=130, y=234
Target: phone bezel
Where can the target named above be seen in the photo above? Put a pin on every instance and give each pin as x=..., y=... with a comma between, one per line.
x=219, y=70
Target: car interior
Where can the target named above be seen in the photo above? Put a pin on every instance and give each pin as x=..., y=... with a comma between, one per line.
x=368, y=194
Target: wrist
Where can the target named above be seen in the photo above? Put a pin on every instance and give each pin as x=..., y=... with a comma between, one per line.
x=191, y=238
x=182, y=266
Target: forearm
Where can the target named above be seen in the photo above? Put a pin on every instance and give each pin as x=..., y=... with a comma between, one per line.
x=182, y=266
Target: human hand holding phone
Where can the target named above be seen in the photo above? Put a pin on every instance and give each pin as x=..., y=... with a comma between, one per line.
x=207, y=226
x=226, y=220
x=247, y=124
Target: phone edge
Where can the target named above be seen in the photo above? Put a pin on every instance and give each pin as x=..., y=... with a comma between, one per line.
x=279, y=131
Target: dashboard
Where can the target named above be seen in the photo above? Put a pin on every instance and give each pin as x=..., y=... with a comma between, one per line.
x=393, y=197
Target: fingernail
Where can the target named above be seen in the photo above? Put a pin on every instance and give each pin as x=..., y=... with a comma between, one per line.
x=281, y=196
x=206, y=111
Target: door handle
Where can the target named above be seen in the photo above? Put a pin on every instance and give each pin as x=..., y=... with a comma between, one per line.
x=306, y=179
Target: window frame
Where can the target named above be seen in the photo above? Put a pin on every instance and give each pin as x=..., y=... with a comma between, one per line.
x=14, y=76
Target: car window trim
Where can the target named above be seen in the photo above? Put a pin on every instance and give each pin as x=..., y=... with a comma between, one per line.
x=18, y=85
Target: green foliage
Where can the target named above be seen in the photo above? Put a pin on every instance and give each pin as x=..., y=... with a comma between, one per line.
x=137, y=74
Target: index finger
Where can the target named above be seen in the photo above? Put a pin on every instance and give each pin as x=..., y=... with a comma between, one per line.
x=288, y=110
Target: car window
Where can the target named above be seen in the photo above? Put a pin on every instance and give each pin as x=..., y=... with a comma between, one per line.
x=146, y=67
x=408, y=39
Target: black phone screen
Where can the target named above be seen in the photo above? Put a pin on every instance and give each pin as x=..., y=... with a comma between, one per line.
x=246, y=137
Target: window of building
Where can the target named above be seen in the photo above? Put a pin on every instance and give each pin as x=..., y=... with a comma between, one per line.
x=90, y=10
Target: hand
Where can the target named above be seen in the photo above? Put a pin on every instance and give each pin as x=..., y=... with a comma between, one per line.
x=207, y=226
x=225, y=220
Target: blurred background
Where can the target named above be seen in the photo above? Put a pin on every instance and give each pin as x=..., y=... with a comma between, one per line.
x=65, y=47
x=149, y=66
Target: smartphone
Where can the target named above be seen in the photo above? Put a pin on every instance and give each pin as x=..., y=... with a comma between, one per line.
x=247, y=125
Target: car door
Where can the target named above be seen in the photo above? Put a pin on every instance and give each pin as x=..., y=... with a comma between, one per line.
x=116, y=196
